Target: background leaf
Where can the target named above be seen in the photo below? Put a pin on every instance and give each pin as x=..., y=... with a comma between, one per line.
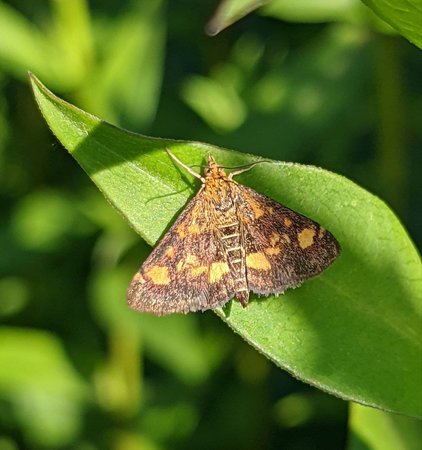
x=229, y=11
x=354, y=331
x=301, y=11
x=25, y=46
x=403, y=15
x=125, y=50
x=379, y=430
x=308, y=11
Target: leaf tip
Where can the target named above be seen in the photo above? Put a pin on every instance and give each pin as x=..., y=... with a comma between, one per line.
x=33, y=79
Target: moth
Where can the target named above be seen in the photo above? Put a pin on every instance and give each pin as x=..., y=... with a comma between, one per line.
x=230, y=240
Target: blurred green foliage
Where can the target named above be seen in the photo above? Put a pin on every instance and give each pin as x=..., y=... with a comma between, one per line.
x=139, y=179
x=77, y=369
x=378, y=430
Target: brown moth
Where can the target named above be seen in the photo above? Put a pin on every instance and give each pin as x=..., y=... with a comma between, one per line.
x=229, y=241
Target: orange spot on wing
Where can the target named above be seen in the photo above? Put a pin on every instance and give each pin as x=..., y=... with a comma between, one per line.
x=272, y=251
x=191, y=260
x=138, y=278
x=181, y=230
x=258, y=261
x=287, y=222
x=217, y=270
x=286, y=238
x=196, y=271
x=306, y=237
x=257, y=209
x=194, y=228
x=170, y=252
x=158, y=275
x=274, y=239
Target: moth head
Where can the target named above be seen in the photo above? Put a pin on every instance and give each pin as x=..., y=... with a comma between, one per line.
x=213, y=170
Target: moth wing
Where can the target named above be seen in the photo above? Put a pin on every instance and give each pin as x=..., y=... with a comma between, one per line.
x=283, y=248
x=186, y=271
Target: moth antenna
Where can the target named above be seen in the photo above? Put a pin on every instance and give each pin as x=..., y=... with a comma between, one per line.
x=187, y=168
x=246, y=168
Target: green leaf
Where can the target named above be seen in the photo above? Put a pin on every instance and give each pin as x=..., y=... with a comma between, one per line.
x=322, y=11
x=355, y=330
x=403, y=15
x=230, y=11
x=22, y=45
x=134, y=45
x=378, y=430
x=305, y=11
x=71, y=33
x=311, y=11
x=217, y=104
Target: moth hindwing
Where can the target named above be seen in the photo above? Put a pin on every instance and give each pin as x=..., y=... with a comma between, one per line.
x=229, y=241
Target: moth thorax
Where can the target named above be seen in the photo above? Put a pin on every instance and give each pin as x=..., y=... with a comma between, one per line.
x=219, y=193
